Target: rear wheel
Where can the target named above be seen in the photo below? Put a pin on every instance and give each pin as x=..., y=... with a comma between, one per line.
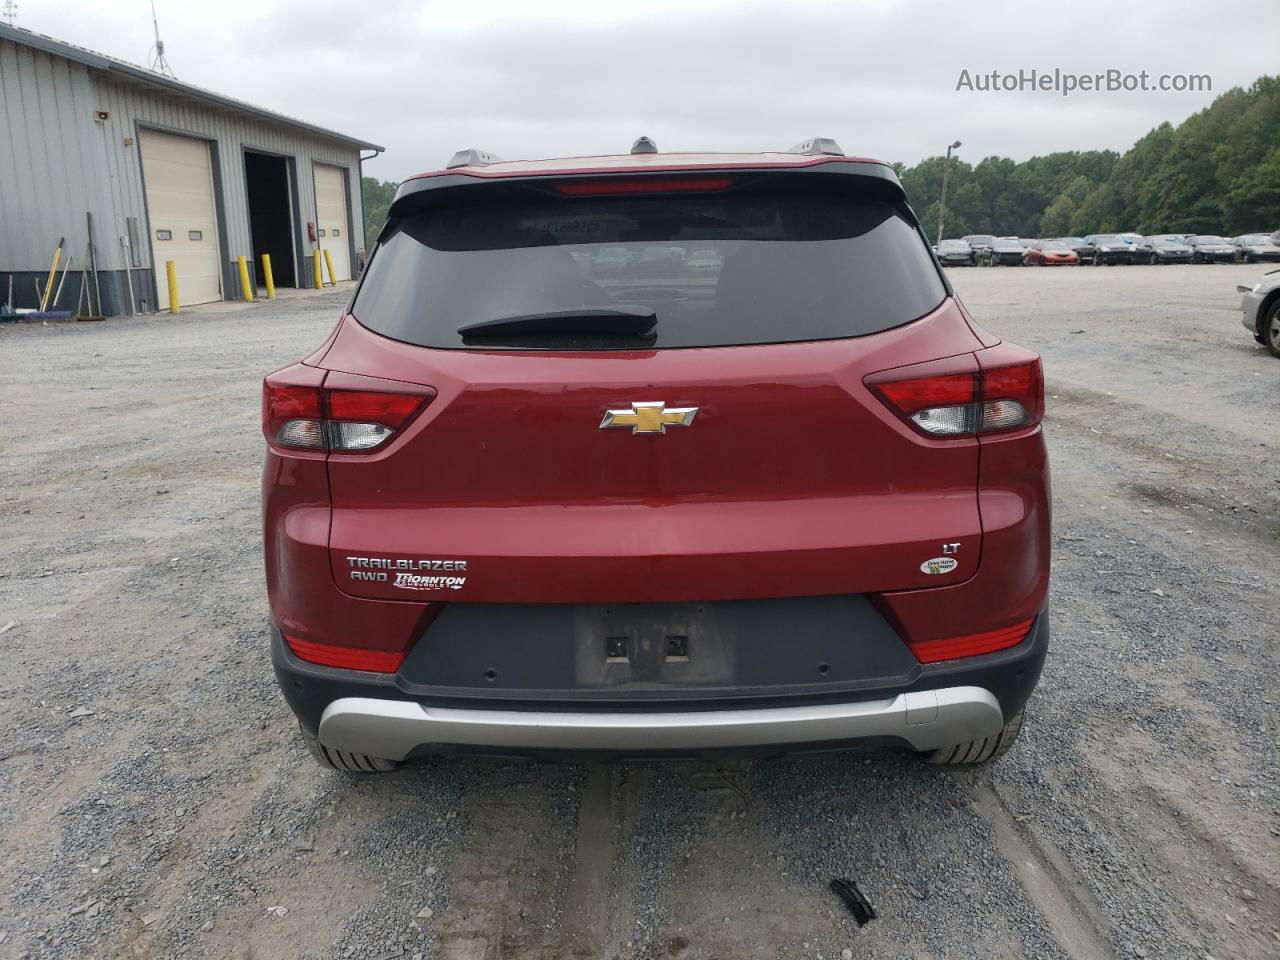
x=1271, y=329
x=344, y=761
x=979, y=751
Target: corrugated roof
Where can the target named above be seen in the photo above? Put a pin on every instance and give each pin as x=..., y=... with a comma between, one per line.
x=133, y=73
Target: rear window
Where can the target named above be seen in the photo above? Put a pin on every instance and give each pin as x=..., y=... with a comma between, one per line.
x=767, y=266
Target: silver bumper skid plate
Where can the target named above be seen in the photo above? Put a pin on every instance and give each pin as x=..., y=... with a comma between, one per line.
x=925, y=720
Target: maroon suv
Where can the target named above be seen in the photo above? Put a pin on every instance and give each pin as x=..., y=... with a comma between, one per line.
x=656, y=453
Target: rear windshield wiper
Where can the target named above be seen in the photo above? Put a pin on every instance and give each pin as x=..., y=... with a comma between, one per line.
x=624, y=320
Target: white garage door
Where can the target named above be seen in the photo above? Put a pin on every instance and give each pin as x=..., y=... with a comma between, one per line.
x=331, y=218
x=178, y=177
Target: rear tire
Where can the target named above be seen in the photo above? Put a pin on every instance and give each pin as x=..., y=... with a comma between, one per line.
x=979, y=751
x=343, y=761
x=1271, y=330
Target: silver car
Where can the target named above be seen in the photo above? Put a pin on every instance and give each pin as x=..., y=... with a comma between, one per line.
x=1261, y=306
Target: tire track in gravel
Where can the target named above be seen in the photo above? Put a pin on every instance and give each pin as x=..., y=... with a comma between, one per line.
x=587, y=931
x=510, y=872
x=1049, y=881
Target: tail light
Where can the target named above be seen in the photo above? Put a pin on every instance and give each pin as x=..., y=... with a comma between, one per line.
x=1006, y=392
x=299, y=412
x=971, y=644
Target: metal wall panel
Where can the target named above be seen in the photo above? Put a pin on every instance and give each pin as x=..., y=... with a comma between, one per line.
x=50, y=173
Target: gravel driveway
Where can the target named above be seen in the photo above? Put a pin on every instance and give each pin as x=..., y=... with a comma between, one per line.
x=156, y=802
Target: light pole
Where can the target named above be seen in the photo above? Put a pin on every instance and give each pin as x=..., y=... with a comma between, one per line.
x=946, y=175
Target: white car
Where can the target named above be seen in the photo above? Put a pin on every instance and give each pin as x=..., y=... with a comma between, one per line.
x=1261, y=306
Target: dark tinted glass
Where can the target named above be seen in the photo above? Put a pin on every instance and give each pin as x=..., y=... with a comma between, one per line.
x=765, y=267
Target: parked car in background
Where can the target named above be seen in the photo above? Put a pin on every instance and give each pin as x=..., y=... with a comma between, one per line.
x=1007, y=251
x=1139, y=244
x=1083, y=248
x=610, y=260
x=1168, y=248
x=1261, y=306
x=704, y=263
x=1051, y=253
x=1110, y=248
x=1028, y=242
x=981, y=244
x=956, y=253
x=1252, y=247
x=1210, y=248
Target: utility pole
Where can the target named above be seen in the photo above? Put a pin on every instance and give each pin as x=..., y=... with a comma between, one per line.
x=10, y=11
x=946, y=175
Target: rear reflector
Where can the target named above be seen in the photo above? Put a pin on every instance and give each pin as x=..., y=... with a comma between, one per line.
x=965, y=404
x=348, y=658
x=970, y=645
x=622, y=185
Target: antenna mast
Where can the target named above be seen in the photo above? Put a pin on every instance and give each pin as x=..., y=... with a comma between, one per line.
x=10, y=11
x=156, y=59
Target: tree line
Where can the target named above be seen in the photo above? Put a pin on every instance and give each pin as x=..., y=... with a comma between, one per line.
x=1216, y=172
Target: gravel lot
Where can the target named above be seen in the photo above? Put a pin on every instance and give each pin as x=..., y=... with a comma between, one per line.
x=156, y=802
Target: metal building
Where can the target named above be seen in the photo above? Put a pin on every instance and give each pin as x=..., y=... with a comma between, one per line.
x=160, y=170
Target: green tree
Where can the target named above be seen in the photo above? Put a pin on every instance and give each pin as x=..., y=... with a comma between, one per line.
x=1057, y=217
x=1253, y=199
x=378, y=195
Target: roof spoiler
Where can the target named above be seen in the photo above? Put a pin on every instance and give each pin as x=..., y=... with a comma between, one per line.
x=875, y=179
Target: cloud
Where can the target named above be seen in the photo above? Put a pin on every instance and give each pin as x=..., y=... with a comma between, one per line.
x=561, y=77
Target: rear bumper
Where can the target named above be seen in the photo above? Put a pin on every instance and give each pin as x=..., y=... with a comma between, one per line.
x=924, y=720
x=934, y=705
x=1250, y=305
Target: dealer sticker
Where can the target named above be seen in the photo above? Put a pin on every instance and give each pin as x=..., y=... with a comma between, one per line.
x=939, y=565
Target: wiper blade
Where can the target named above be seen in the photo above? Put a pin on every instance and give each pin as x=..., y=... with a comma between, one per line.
x=624, y=319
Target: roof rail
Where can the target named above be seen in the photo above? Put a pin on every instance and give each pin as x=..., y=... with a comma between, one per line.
x=644, y=145
x=472, y=157
x=819, y=146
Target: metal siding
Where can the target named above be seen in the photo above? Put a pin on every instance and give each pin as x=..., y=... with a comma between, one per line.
x=57, y=162
x=45, y=181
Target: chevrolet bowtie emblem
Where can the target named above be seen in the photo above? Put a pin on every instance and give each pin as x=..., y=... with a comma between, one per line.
x=653, y=417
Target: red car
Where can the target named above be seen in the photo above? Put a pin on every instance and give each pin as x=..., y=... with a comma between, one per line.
x=518, y=503
x=1051, y=253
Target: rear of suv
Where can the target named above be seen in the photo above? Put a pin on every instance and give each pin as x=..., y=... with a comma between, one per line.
x=656, y=454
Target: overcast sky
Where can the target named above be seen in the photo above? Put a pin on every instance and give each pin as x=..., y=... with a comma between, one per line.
x=536, y=78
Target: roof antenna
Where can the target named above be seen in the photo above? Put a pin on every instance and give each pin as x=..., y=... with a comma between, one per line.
x=10, y=11
x=156, y=58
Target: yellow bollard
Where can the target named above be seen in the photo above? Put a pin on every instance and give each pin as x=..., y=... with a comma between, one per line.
x=333, y=278
x=246, y=290
x=315, y=261
x=171, y=269
x=266, y=276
